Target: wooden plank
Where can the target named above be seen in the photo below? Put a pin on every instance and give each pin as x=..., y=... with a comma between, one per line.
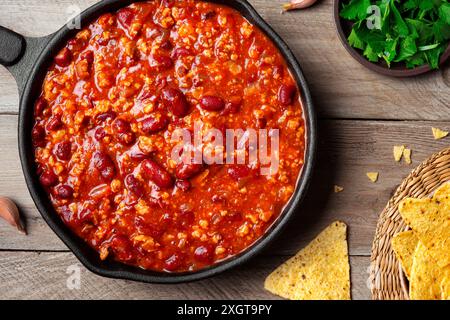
x=347, y=150
x=340, y=86
x=28, y=275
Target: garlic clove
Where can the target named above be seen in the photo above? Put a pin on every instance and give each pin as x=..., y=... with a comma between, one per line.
x=298, y=4
x=10, y=213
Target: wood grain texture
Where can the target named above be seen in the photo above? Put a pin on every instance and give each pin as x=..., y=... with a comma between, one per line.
x=44, y=276
x=340, y=86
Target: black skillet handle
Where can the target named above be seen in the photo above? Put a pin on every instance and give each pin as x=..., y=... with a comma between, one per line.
x=19, y=54
x=12, y=46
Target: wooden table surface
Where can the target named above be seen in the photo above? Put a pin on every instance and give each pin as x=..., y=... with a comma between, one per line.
x=361, y=116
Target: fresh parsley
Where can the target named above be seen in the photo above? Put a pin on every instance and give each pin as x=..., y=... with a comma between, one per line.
x=414, y=32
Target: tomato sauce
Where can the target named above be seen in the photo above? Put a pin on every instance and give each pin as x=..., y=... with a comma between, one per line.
x=109, y=104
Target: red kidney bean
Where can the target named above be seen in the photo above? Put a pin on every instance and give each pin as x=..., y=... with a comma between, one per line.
x=123, y=131
x=54, y=123
x=63, y=191
x=40, y=106
x=125, y=17
x=163, y=62
x=261, y=123
x=183, y=185
x=63, y=150
x=126, y=138
x=86, y=215
x=231, y=107
x=105, y=116
x=238, y=171
x=173, y=263
x=99, y=133
x=63, y=58
x=48, y=179
x=121, y=126
x=212, y=103
x=179, y=52
x=38, y=136
x=88, y=56
x=204, y=253
x=134, y=185
x=122, y=247
x=286, y=94
x=155, y=123
x=208, y=15
x=137, y=155
x=166, y=45
x=175, y=101
x=104, y=165
x=157, y=174
x=185, y=171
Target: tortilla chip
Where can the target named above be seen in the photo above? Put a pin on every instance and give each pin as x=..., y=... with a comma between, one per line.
x=321, y=271
x=430, y=221
x=442, y=193
x=398, y=152
x=426, y=276
x=439, y=134
x=404, y=245
x=338, y=189
x=373, y=176
x=407, y=155
x=445, y=287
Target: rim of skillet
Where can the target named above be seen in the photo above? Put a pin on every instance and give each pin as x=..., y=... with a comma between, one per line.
x=88, y=256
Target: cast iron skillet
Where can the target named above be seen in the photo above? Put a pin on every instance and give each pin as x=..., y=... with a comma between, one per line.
x=28, y=59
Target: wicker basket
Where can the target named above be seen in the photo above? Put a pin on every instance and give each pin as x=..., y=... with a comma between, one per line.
x=386, y=276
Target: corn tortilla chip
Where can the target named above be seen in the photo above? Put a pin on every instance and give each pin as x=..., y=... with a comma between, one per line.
x=442, y=193
x=426, y=276
x=320, y=271
x=438, y=133
x=398, y=152
x=338, y=189
x=404, y=245
x=373, y=176
x=430, y=221
x=445, y=288
x=407, y=155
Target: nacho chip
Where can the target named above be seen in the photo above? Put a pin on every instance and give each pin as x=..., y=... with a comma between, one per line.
x=442, y=193
x=445, y=287
x=398, y=152
x=439, y=134
x=407, y=155
x=404, y=245
x=426, y=276
x=373, y=176
x=338, y=189
x=321, y=271
x=430, y=221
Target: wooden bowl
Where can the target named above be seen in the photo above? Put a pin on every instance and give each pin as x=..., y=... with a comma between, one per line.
x=344, y=28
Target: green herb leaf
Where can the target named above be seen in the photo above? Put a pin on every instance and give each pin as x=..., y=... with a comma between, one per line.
x=370, y=54
x=444, y=13
x=355, y=41
x=407, y=49
x=400, y=26
x=434, y=55
x=390, y=51
x=355, y=9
